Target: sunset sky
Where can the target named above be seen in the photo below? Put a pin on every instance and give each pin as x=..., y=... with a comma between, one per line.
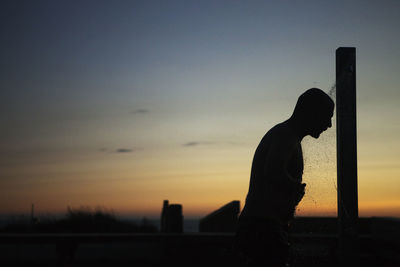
x=122, y=104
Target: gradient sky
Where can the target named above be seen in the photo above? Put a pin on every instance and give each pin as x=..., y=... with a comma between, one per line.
x=122, y=104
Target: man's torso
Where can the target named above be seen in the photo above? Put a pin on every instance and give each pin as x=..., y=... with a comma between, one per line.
x=264, y=198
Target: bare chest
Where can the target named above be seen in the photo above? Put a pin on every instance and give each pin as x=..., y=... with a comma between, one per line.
x=296, y=164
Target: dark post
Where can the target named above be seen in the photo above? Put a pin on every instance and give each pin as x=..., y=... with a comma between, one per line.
x=32, y=213
x=347, y=156
x=163, y=226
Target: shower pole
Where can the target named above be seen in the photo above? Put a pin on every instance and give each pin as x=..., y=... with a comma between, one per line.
x=347, y=156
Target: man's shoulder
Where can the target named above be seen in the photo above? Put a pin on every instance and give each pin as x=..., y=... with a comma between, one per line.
x=280, y=133
x=279, y=130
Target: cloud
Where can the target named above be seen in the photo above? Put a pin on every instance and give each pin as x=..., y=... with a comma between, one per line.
x=118, y=150
x=200, y=143
x=197, y=143
x=124, y=150
x=140, y=111
x=191, y=144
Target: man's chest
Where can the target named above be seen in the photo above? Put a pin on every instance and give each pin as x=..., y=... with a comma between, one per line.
x=296, y=164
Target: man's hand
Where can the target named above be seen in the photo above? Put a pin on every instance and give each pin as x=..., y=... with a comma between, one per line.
x=299, y=193
x=287, y=209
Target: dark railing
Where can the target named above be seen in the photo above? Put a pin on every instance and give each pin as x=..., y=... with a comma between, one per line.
x=190, y=249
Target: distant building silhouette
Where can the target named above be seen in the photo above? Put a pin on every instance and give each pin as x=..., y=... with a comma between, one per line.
x=171, y=218
x=33, y=218
x=223, y=219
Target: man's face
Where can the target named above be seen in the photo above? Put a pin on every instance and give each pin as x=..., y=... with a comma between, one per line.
x=321, y=122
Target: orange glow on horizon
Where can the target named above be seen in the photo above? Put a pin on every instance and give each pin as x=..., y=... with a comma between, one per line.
x=201, y=179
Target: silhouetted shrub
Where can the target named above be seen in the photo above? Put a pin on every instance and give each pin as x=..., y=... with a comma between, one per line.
x=82, y=220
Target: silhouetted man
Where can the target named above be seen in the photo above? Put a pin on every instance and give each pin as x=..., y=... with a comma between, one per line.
x=276, y=182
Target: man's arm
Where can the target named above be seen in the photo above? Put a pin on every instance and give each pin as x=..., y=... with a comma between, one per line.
x=275, y=167
x=286, y=191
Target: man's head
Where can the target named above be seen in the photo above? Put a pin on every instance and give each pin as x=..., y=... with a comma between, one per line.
x=314, y=110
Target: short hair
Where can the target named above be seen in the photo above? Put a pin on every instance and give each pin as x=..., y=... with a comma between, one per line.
x=313, y=100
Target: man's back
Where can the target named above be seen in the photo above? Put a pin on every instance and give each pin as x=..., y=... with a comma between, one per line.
x=277, y=157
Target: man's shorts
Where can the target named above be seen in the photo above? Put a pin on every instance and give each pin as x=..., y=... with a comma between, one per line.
x=262, y=242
